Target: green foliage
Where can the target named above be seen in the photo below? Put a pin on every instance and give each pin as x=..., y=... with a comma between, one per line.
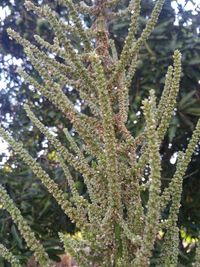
x=122, y=212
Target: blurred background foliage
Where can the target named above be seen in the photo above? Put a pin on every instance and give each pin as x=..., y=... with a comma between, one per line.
x=177, y=29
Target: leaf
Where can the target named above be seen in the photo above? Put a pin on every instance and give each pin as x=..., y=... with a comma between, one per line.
x=162, y=27
x=194, y=61
x=187, y=121
x=173, y=128
x=193, y=111
x=172, y=132
x=16, y=236
x=185, y=100
x=46, y=206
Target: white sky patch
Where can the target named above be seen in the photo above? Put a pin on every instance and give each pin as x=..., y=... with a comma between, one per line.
x=77, y=106
x=3, y=86
x=173, y=158
x=170, y=145
x=3, y=83
x=4, y=12
x=3, y=149
x=3, y=146
x=187, y=5
x=9, y=60
x=138, y=113
x=53, y=130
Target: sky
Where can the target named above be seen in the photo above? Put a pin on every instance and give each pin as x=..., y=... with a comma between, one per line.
x=5, y=12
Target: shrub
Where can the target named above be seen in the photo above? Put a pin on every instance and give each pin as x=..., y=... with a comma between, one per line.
x=119, y=227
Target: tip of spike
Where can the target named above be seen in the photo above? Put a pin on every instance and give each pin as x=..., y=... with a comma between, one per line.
x=177, y=54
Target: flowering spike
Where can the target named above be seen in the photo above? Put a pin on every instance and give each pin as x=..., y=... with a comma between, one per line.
x=25, y=230
x=6, y=254
x=124, y=59
x=51, y=186
x=119, y=227
x=153, y=205
x=171, y=99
